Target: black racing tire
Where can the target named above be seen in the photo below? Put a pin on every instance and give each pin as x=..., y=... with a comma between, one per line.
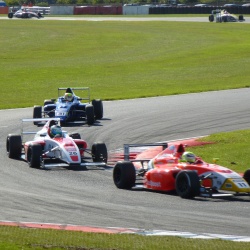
x=90, y=115
x=99, y=152
x=34, y=155
x=14, y=146
x=37, y=113
x=98, y=108
x=246, y=176
x=46, y=102
x=241, y=18
x=124, y=175
x=10, y=15
x=211, y=18
x=224, y=19
x=75, y=136
x=187, y=184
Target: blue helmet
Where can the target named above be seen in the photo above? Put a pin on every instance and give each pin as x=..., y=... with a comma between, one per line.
x=55, y=130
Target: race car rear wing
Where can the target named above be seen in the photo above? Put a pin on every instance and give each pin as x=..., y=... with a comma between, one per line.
x=128, y=146
x=36, y=120
x=70, y=90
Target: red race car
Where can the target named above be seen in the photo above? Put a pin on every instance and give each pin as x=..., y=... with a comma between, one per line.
x=175, y=169
x=52, y=147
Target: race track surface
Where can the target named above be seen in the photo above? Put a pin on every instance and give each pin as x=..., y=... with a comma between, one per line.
x=127, y=19
x=88, y=196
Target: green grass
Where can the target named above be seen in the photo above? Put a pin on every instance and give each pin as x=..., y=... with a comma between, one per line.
x=119, y=60
x=14, y=238
x=230, y=148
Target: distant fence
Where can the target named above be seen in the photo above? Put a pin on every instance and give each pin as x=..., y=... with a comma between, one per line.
x=130, y=10
x=198, y=10
x=4, y=10
x=98, y=10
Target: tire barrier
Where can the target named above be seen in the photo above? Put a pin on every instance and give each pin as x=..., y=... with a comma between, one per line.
x=98, y=10
x=198, y=10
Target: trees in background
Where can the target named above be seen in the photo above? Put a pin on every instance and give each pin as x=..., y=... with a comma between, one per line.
x=105, y=2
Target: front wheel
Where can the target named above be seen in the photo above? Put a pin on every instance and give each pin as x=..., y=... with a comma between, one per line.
x=124, y=175
x=241, y=18
x=98, y=109
x=37, y=113
x=34, y=155
x=99, y=152
x=187, y=184
x=14, y=146
x=90, y=115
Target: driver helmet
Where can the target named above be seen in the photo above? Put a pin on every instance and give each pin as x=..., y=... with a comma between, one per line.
x=68, y=97
x=55, y=130
x=188, y=157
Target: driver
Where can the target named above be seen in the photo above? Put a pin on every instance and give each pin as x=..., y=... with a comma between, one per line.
x=68, y=97
x=55, y=130
x=188, y=157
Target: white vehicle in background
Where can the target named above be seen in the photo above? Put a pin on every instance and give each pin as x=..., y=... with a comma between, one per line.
x=224, y=16
x=25, y=13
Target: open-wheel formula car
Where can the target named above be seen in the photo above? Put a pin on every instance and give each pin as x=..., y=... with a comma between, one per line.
x=51, y=147
x=25, y=13
x=167, y=172
x=224, y=16
x=70, y=108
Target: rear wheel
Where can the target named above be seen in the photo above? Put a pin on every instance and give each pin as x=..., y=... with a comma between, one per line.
x=46, y=102
x=124, y=175
x=246, y=176
x=98, y=108
x=37, y=113
x=211, y=18
x=34, y=155
x=90, y=115
x=75, y=136
x=187, y=184
x=99, y=152
x=10, y=15
x=14, y=146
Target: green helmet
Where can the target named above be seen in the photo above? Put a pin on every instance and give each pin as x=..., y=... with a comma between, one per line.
x=188, y=157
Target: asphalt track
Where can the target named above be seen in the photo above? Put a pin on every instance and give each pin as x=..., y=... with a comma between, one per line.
x=127, y=19
x=88, y=196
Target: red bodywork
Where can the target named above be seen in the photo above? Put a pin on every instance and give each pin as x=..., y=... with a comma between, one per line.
x=165, y=165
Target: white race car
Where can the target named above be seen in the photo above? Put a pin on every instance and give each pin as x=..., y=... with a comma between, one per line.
x=62, y=150
x=24, y=14
x=224, y=16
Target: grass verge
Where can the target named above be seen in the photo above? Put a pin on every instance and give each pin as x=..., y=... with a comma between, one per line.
x=24, y=238
x=119, y=60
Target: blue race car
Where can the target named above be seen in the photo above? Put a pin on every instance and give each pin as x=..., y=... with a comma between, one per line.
x=69, y=108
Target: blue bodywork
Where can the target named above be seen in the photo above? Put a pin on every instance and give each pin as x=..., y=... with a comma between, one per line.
x=71, y=111
x=66, y=111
